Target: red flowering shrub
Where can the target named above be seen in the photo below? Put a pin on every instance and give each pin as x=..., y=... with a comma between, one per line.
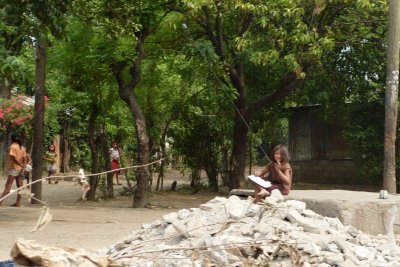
x=16, y=115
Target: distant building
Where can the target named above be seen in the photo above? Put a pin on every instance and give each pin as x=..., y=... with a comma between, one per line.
x=319, y=153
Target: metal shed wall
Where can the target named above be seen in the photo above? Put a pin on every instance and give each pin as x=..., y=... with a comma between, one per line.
x=313, y=139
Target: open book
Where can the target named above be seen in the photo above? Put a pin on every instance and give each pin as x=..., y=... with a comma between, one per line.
x=260, y=181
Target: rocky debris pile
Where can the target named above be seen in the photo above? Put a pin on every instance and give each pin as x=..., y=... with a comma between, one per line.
x=236, y=232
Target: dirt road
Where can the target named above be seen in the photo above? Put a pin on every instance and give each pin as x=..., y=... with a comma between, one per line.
x=88, y=225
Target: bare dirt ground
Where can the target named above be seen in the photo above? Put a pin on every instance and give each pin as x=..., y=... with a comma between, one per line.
x=87, y=225
x=95, y=225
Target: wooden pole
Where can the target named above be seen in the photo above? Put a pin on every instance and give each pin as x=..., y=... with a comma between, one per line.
x=391, y=102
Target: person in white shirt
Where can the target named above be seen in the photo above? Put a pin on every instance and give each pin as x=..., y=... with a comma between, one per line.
x=115, y=155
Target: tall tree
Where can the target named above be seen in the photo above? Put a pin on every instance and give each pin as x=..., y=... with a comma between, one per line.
x=391, y=102
x=38, y=117
x=282, y=38
x=130, y=22
x=78, y=62
x=48, y=16
x=125, y=89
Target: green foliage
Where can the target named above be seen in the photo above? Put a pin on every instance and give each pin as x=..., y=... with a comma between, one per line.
x=364, y=131
x=349, y=83
x=338, y=47
x=82, y=82
x=202, y=132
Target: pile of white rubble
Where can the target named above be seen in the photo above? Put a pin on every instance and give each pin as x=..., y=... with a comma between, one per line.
x=236, y=232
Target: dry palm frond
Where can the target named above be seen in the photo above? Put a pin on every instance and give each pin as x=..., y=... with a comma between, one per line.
x=44, y=218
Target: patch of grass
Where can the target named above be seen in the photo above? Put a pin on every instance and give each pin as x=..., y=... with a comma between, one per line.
x=186, y=188
x=159, y=205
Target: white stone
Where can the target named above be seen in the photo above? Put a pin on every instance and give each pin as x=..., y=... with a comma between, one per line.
x=310, y=214
x=275, y=197
x=247, y=230
x=349, y=263
x=147, y=226
x=198, y=242
x=312, y=249
x=294, y=217
x=236, y=208
x=323, y=224
x=197, y=226
x=363, y=253
x=218, y=200
x=170, y=217
x=332, y=248
x=253, y=209
x=363, y=239
x=170, y=230
x=264, y=228
x=183, y=214
x=299, y=206
x=335, y=260
x=206, y=206
x=334, y=222
x=352, y=230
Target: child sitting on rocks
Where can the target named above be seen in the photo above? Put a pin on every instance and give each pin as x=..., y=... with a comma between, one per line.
x=279, y=173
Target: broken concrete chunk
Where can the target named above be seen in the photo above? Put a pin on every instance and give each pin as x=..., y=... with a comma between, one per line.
x=236, y=208
x=170, y=231
x=363, y=253
x=183, y=214
x=170, y=217
x=218, y=200
x=334, y=222
x=310, y=214
x=206, y=206
x=312, y=249
x=253, y=209
x=275, y=197
x=236, y=232
x=334, y=259
x=294, y=217
x=299, y=206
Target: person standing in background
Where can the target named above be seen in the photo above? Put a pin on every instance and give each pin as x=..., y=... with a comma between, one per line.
x=16, y=166
x=28, y=168
x=51, y=158
x=115, y=156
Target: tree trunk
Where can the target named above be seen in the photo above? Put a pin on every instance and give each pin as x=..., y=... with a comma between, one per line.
x=107, y=163
x=391, y=102
x=93, y=181
x=225, y=166
x=64, y=149
x=195, y=179
x=142, y=178
x=240, y=130
x=212, y=175
x=5, y=91
x=38, y=117
x=238, y=156
x=125, y=90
